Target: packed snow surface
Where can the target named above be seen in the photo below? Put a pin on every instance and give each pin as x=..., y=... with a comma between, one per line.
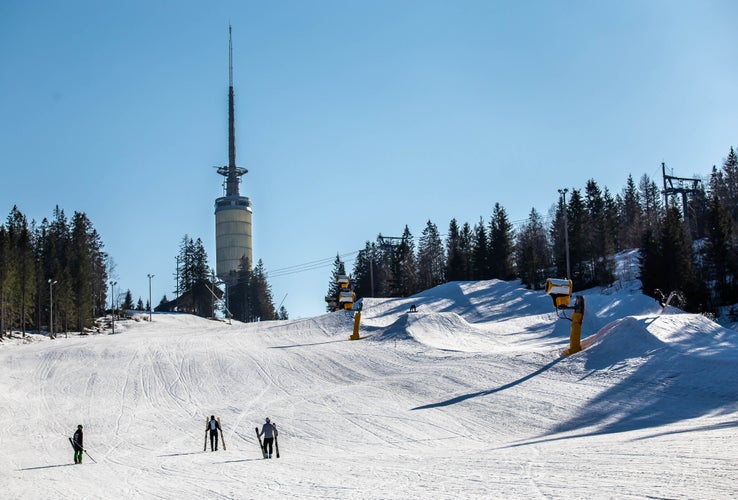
x=466, y=398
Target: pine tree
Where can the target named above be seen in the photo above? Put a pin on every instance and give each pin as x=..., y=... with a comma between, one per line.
x=386, y=268
x=466, y=239
x=721, y=251
x=196, y=283
x=22, y=269
x=261, y=295
x=7, y=279
x=128, y=301
x=612, y=219
x=334, y=287
x=283, y=315
x=480, y=269
x=532, y=252
x=600, y=246
x=651, y=205
x=677, y=258
x=81, y=272
x=239, y=303
x=431, y=258
x=697, y=206
x=558, y=231
x=723, y=183
x=502, y=245
x=667, y=260
x=57, y=266
x=406, y=265
x=578, y=223
x=363, y=272
x=631, y=229
x=455, y=253
x=651, y=257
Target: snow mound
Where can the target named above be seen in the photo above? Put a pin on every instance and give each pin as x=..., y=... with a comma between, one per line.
x=688, y=334
x=444, y=331
x=624, y=338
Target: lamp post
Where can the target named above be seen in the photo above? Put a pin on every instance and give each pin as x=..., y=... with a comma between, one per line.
x=563, y=192
x=112, y=303
x=150, y=276
x=176, y=307
x=52, y=282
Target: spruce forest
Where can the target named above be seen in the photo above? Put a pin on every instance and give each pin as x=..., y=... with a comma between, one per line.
x=198, y=292
x=694, y=253
x=59, y=259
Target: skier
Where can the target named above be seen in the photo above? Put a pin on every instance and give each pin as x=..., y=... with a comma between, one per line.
x=78, y=444
x=660, y=297
x=214, y=427
x=269, y=431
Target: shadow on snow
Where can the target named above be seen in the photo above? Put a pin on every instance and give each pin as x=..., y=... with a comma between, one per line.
x=464, y=397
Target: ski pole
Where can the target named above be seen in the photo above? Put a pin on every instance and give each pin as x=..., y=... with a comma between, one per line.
x=95, y=461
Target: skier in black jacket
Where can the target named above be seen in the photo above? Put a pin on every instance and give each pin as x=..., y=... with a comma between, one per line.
x=78, y=444
x=214, y=427
x=269, y=431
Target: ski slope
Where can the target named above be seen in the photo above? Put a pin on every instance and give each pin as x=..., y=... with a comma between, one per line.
x=467, y=398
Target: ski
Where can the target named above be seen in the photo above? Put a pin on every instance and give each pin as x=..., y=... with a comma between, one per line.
x=261, y=445
x=276, y=445
x=207, y=424
x=220, y=429
x=85, y=451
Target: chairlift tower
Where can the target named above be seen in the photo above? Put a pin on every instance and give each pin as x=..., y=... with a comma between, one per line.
x=683, y=186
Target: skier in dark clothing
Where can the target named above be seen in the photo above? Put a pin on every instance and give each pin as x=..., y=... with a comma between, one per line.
x=660, y=297
x=78, y=444
x=269, y=431
x=214, y=427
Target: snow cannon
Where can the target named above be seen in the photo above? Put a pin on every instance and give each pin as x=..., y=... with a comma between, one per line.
x=575, y=335
x=346, y=299
x=560, y=292
x=345, y=296
x=357, y=319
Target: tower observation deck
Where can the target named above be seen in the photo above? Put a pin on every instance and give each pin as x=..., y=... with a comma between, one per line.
x=232, y=211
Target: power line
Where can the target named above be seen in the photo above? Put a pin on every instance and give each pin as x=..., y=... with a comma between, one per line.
x=328, y=261
x=309, y=266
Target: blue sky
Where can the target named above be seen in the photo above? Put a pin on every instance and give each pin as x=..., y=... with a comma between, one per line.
x=354, y=118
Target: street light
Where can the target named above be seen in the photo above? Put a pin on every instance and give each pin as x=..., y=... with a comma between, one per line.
x=176, y=306
x=563, y=192
x=52, y=282
x=112, y=303
x=150, y=276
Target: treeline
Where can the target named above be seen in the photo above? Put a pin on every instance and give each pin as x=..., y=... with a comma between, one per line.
x=196, y=291
x=58, y=258
x=693, y=252
x=249, y=294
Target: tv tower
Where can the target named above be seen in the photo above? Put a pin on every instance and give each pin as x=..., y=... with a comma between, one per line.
x=232, y=211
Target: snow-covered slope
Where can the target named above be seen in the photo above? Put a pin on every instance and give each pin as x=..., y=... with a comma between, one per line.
x=468, y=397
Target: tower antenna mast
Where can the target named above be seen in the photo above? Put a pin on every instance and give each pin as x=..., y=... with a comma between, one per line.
x=231, y=172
